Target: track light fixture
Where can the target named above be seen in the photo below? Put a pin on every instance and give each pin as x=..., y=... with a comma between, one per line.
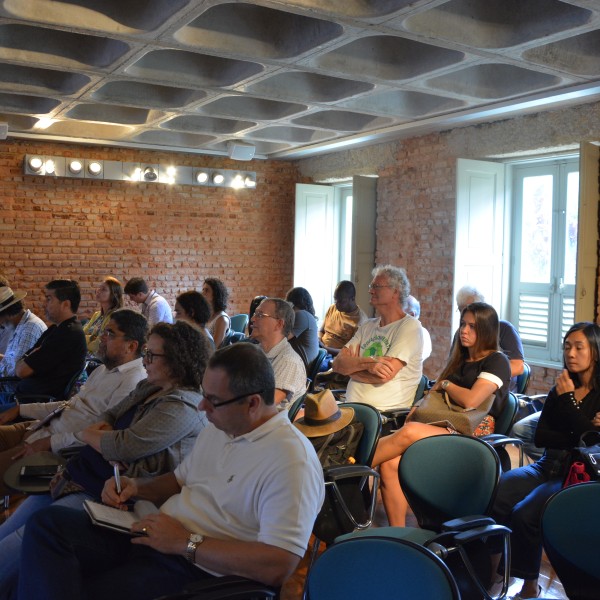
x=94, y=168
x=150, y=174
x=75, y=167
x=110, y=170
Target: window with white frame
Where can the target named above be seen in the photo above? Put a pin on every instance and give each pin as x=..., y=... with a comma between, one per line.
x=544, y=250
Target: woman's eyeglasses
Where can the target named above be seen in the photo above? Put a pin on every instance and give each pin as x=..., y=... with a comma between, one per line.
x=148, y=355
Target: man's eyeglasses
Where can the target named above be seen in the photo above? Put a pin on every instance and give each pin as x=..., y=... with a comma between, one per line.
x=261, y=315
x=148, y=355
x=110, y=334
x=211, y=399
x=377, y=286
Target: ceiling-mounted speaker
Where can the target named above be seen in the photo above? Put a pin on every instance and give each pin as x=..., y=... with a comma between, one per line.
x=4, y=131
x=240, y=151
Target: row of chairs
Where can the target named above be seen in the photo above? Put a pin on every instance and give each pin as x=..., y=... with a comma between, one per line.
x=450, y=483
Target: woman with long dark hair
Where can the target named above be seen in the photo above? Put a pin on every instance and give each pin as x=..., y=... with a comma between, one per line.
x=216, y=293
x=109, y=295
x=571, y=408
x=476, y=370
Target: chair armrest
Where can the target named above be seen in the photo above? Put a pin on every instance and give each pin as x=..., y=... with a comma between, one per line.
x=477, y=533
x=468, y=522
x=228, y=586
x=340, y=472
x=499, y=440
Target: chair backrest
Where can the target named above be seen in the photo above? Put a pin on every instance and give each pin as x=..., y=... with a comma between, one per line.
x=380, y=568
x=295, y=407
x=238, y=322
x=570, y=533
x=506, y=419
x=421, y=388
x=300, y=351
x=523, y=379
x=314, y=367
x=448, y=476
x=371, y=419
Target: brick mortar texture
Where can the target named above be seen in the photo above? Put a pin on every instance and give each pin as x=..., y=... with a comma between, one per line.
x=173, y=236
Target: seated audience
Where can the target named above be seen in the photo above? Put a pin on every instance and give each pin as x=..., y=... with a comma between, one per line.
x=384, y=358
x=59, y=354
x=146, y=434
x=341, y=319
x=413, y=308
x=25, y=329
x=193, y=308
x=305, y=322
x=120, y=350
x=271, y=324
x=154, y=307
x=476, y=370
x=510, y=340
x=572, y=408
x=110, y=297
x=216, y=294
x=205, y=527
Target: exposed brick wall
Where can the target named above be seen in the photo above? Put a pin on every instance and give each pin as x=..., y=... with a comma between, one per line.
x=174, y=236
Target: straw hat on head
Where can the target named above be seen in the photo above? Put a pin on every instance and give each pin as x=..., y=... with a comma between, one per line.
x=8, y=297
x=322, y=415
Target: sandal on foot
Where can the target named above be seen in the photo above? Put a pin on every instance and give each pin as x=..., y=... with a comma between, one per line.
x=519, y=597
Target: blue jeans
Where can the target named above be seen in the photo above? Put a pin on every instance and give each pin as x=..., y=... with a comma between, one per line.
x=65, y=556
x=520, y=499
x=525, y=430
x=11, y=537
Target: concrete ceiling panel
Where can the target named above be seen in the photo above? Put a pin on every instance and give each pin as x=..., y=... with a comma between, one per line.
x=342, y=120
x=251, y=30
x=251, y=108
x=30, y=79
x=174, y=138
x=152, y=95
x=497, y=23
x=106, y=113
x=194, y=124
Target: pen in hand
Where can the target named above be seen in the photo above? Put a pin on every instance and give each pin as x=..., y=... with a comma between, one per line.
x=117, y=478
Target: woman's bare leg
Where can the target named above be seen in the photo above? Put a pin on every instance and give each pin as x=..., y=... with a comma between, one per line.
x=394, y=445
x=393, y=498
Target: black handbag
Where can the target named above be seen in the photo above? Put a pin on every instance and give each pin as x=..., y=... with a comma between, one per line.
x=588, y=453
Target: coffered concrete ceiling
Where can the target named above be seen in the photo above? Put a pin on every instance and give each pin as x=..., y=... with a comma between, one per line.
x=293, y=78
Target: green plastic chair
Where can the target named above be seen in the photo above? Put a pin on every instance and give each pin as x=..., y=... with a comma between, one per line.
x=238, y=322
x=570, y=533
x=450, y=483
x=380, y=568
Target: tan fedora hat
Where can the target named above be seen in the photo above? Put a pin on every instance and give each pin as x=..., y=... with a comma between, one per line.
x=8, y=297
x=322, y=415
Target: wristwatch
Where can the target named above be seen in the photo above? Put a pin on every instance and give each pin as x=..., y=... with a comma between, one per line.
x=194, y=541
x=445, y=384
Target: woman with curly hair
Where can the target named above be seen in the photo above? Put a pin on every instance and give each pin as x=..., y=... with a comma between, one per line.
x=305, y=322
x=110, y=297
x=216, y=294
x=193, y=308
x=148, y=433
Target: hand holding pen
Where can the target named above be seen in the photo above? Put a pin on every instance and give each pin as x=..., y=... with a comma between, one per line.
x=117, y=478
